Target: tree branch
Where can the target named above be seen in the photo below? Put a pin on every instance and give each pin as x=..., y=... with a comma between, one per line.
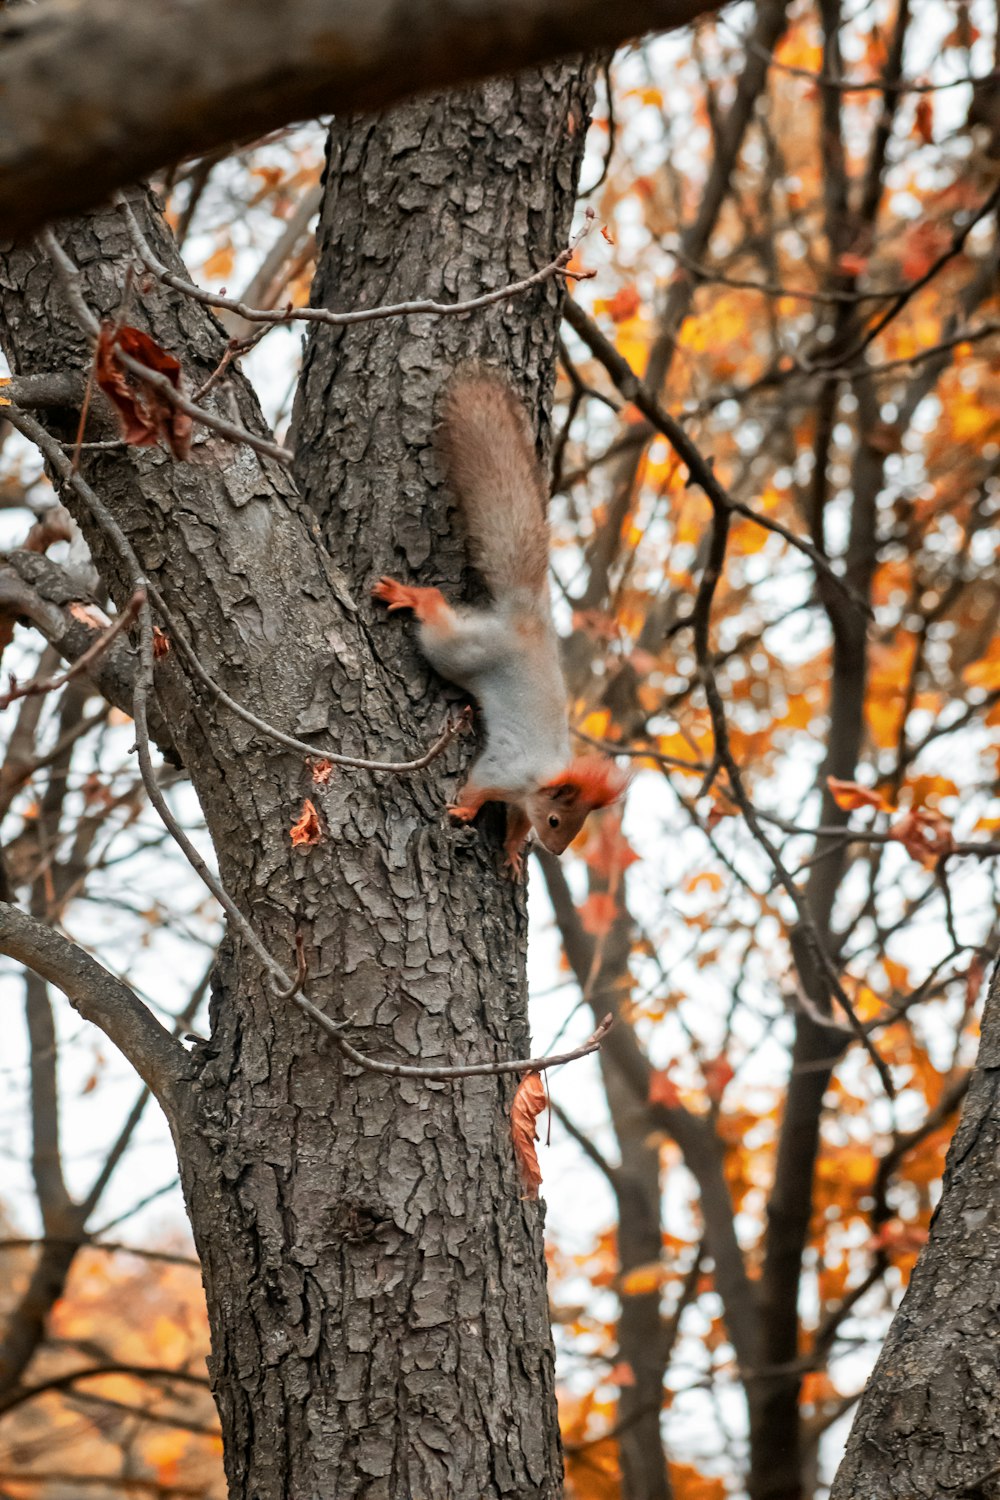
x=97, y=996
x=92, y=98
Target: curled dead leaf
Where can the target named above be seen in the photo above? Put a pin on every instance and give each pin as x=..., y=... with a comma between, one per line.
x=529, y=1101
x=306, y=829
x=321, y=771
x=146, y=415
x=850, y=795
x=925, y=835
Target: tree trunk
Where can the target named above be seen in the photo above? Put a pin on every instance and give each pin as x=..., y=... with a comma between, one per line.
x=929, y=1421
x=375, y=1284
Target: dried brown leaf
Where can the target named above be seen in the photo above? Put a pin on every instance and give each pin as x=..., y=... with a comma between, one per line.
x=529, y=1101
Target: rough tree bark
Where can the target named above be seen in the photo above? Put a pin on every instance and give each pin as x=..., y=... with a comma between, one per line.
x=928, y=1423
x=375, y=1284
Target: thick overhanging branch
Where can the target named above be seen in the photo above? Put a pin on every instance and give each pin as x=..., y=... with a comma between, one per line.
x=93, y=97
x=98, y=997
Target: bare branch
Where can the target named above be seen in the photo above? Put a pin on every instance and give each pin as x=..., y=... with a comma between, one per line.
x=324, y=314
x=94, y=1372
x=40, y=686
x=94, y=98
x=98, y=997
x=69, y=275
x=698, y=467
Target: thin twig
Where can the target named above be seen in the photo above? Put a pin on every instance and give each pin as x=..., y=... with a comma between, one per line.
x=41, y=685
x=452, y=728
x=342, y=319
x=954, y=248
x=698, y=467
x=863, y=85
x=85, y=1241
x=724, y=758
x=59, y=1382
x=69, y=275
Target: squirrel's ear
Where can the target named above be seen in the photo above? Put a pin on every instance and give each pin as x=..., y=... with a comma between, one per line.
x=563, y=791
x=592, y=780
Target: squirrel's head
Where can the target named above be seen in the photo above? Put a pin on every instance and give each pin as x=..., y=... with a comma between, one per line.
x=558, y=810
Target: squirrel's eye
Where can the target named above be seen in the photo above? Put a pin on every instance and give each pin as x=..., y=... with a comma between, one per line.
x=553, y=821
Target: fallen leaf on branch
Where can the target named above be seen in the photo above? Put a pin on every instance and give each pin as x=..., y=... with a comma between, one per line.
x=529, y=1101
x=850, y=795
x=146, y=415
x=925, y=835
x=306, y=829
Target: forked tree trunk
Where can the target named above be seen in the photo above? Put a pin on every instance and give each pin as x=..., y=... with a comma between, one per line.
x=929, y=1421
x=375, y=1285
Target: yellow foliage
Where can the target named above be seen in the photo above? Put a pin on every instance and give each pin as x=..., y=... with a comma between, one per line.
x=220, y=264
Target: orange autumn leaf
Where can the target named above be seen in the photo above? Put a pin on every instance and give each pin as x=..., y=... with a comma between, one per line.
x=607, y=850
x=922, y=246
x=146, y=415
x=640, y=1281
x=529, y=1101
x=663, y=1090
x=161, y=643
x=894, y=1235
x=321, y=771
x=220, y=263
x=624, y=304
x=850, y=795
x=718, y=1074
x=852, y=264
x=925, y=835
x=923, y=120
x=686, y=1483
x=306, y=829
x=621, y=1374
x=598, y=912
x=817, y=1387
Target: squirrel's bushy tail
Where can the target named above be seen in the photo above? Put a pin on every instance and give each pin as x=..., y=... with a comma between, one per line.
x=489, y=452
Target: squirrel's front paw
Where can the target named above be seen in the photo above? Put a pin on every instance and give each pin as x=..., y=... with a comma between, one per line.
x=514, y=862
x=396, y=595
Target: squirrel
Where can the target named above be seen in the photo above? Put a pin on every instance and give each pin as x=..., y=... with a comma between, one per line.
x=506, y=655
